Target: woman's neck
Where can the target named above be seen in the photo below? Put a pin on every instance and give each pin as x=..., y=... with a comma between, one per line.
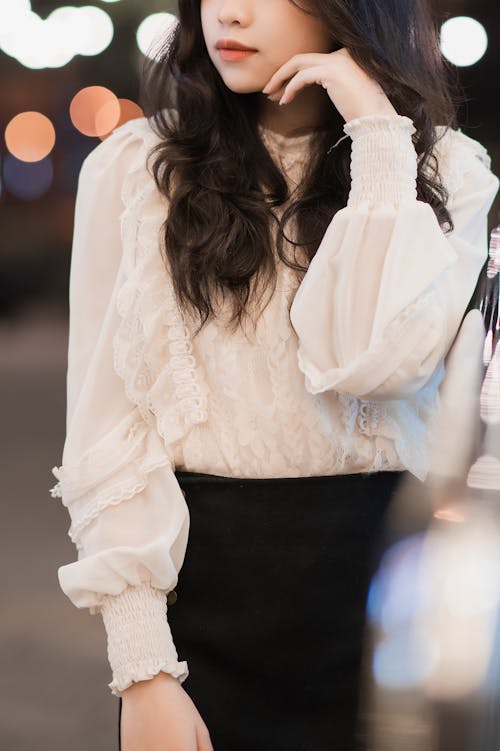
x=311, y=108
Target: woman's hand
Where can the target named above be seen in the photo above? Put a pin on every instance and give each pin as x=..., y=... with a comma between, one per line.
x=159, y=715
x=353, y=92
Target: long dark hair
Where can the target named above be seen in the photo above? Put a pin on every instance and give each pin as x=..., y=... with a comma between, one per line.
x=220, y=180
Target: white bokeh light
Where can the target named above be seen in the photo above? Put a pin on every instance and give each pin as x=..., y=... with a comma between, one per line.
x=53, y=42
x=98, y=30
x=464, y=40
x=152, y=31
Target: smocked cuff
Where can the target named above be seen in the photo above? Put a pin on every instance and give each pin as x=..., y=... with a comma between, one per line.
x=140, y=643
x=383, y=159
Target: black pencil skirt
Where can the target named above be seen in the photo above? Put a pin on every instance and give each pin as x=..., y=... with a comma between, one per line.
x=270, y=608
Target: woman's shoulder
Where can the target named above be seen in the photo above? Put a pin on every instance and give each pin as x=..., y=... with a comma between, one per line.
x=127, y=144
x=120, y=164
x=457, y=154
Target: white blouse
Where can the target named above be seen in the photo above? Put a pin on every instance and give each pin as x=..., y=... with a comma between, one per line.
x=347, y=382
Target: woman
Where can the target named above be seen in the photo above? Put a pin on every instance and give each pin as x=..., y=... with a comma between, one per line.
x=275, y=447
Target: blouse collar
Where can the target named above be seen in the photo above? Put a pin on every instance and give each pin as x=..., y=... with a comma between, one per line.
x=285, y=142
x=290, y=152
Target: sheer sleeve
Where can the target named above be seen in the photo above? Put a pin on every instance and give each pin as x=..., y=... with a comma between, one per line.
x=129, y=519
x=384, y=296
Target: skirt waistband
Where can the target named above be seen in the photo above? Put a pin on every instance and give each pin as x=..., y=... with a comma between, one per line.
x=202, y=478
x=278, y=495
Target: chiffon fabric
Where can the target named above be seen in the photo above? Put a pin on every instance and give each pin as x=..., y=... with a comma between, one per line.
x=342, y=377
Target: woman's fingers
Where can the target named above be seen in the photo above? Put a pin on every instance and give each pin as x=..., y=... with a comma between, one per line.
x=291, y=67
x=203, y=738
x=276, y=96
x=305, y=77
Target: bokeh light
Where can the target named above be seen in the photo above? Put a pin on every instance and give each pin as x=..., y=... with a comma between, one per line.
x=97, y=32
x=30, y=136
x=152, y=32
x=95, y=110
x=129, y=110
x=396, y=593
x=464, y=40
x=53, y=42
x=403, y=662
x=27, y=180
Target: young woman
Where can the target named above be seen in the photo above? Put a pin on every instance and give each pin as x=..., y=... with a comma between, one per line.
x=268, y=271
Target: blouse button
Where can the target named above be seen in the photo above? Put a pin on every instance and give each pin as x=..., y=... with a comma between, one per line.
x=172, y=597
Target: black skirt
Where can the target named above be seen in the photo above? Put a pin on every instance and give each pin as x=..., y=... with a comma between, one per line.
x=270, y=608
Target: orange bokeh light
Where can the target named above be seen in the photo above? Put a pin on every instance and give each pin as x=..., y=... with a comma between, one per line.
x=30, y=136
x=449, y=514
x=95, y=110
x=129, y=110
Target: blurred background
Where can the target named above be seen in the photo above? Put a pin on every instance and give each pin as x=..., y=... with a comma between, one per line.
x=58, y=64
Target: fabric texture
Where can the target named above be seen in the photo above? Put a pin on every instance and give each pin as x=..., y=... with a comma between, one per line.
x=347, y=382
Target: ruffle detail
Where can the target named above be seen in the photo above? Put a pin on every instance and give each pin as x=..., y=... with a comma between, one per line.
x=368, y=417
x=418, y=414
x=140, y=643
x=153, y=351
x=377, y=123
x=113, y=470
x=457, y=154
x=146, y=671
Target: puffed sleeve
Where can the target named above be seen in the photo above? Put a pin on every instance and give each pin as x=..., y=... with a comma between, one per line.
x=384, y=295
x=129, y=519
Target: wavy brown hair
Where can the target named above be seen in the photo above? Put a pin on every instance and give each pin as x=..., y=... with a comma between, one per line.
x=223, y=185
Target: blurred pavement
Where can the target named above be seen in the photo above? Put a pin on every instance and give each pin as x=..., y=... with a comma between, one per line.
x=53, y=682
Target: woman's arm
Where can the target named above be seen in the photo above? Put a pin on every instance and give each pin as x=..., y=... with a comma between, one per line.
x=129, y=519
x=383, y=298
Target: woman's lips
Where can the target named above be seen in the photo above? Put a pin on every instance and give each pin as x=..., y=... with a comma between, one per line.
x=233, y=55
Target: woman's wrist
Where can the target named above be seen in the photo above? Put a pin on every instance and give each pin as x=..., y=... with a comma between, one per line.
x=383, y=159
x=137, y=688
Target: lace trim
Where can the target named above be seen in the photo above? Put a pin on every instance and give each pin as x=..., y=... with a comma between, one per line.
x=100, y=461
x=368, y=417
x=182, y=365
x=383, y=419
x=119, y=469
x=153, y=352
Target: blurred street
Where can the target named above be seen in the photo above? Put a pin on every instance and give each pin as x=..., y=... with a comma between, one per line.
x=53, y=692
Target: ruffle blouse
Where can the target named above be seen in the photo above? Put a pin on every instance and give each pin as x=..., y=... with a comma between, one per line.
x=347, y=381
